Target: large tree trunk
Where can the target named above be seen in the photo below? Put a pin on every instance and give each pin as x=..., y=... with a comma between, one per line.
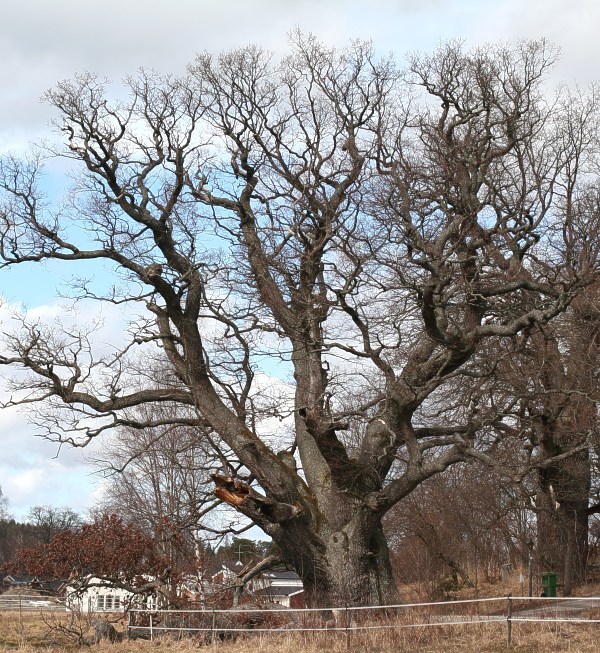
x=346, y=567
x=563, y=519
x=570, y=417
x=337, y=547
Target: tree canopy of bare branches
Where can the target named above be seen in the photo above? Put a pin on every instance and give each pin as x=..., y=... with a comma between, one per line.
x=326, y=250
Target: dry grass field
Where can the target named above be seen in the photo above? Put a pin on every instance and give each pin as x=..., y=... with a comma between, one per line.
x=475, y=639
x=32, y=633
x=53, y=632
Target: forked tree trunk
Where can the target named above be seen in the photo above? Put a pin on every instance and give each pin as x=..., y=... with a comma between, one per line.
x=563, y=520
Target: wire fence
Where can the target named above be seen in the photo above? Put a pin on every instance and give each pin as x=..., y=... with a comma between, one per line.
x=30, y=603
x=358, y=625
x=352, y=621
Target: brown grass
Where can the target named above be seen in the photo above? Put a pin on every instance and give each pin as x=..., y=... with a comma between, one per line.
x=30, y=634
x=476, y=639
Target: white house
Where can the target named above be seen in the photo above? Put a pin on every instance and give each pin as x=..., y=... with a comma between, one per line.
x=274, y=586
x=97, y=596
x=277, y=586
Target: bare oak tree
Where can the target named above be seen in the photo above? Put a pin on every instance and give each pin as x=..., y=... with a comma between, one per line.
x=553, y=375
x=318, y=247
x=544, y=382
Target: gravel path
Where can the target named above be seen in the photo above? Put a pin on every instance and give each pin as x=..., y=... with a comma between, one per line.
x=568, y=608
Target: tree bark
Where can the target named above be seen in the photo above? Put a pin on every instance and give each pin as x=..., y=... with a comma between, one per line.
x=353, y=568
x=562, y=504
x=568, y=363
x=342, y=557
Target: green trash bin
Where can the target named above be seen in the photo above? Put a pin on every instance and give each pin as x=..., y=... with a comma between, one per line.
x=549, y=583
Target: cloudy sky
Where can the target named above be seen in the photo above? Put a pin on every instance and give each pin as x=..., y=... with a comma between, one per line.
x=42, y=42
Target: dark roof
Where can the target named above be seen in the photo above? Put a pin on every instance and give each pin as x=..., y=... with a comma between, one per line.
x=283, y=574
x=53, y=585
x=280, y=590
x=216, y=566
x=14, y=579
x=239, y=568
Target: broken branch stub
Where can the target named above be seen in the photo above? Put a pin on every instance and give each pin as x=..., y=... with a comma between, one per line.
x=242, y=497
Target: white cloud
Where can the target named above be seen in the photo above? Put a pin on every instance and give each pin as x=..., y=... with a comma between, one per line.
x=33, y=470
x=42, y=42
x=31, y=474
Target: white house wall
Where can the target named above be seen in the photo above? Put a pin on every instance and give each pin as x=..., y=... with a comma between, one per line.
x=98, y=599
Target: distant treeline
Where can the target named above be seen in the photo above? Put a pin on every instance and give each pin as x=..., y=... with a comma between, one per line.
x=14, y=535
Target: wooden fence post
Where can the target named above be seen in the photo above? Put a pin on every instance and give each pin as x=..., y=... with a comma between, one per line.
x=347, y=620
x=509, y=620
x=21, y=630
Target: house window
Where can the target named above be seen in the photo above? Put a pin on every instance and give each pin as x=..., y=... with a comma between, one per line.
x=108, y=602
x=117, y=603
x=100, y=602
